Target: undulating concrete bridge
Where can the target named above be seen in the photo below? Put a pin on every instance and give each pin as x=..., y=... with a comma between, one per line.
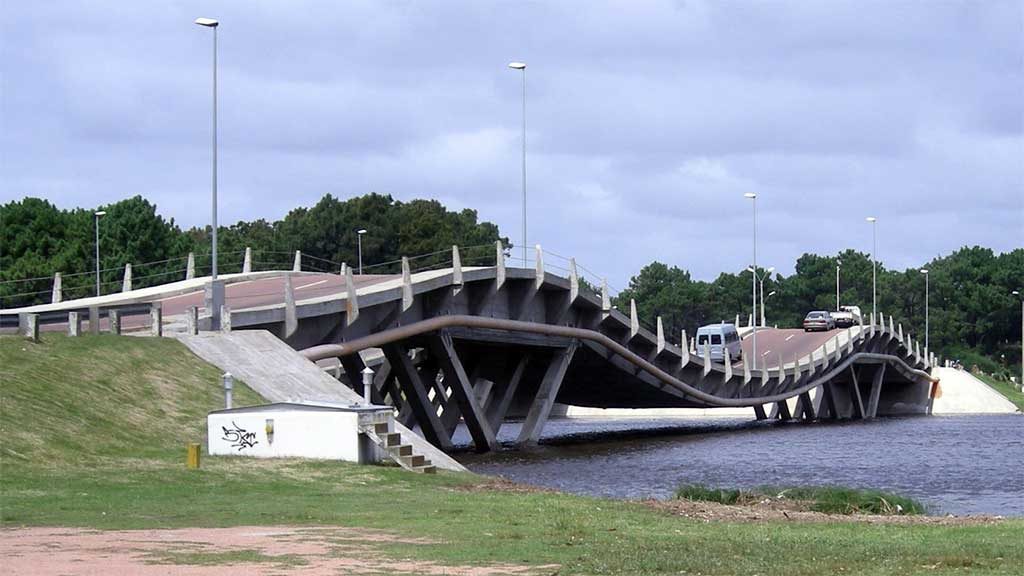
x=477, y=345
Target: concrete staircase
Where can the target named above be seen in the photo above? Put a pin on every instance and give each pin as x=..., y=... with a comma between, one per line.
x=280, y=374
x=391, y=443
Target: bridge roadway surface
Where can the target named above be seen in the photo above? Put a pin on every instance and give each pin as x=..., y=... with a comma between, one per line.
x=238, y=295
x=789, y=342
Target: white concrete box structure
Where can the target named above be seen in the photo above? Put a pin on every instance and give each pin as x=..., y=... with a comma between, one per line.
x=296, y=430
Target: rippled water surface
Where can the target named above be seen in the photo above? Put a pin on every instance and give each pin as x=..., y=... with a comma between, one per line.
x=955, y=464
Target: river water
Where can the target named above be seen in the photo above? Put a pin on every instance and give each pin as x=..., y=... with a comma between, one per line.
x=954, y=464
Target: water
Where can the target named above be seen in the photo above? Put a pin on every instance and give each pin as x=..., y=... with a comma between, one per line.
x=954, y=464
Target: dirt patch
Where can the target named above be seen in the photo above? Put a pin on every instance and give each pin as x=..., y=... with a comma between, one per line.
x=796, y=511
x=217, y=551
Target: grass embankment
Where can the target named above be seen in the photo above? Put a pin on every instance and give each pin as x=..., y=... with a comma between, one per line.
x=93, y=433
x=1005, y=388
x=825, y=499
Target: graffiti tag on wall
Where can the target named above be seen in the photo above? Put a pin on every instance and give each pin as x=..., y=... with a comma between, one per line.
x=239, y=437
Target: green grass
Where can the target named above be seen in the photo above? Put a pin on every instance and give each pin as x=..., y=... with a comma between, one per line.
x=93, y=435
x=1005, y=388
x=827, y=499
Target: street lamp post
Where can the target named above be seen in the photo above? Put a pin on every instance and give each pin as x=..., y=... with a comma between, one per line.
x=874, y=274
x=1020, y=294
x=359, y=237
x=215, y=297
x=839, y=264
x=522, y=66
x=760, y=280
x=97, y=215
x=753, y=283
x=925, y=272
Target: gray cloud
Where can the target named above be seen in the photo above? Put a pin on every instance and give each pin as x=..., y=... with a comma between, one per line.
x=647, y=120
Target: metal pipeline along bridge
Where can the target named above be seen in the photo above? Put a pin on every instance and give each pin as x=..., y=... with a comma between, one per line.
x=479, y=345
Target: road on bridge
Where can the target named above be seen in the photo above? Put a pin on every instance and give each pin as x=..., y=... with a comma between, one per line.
x=790, y=342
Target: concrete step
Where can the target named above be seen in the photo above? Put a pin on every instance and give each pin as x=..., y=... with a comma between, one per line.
x=414, y=460
x=392, y=439
x=401, y=450
x=381, y=428
x=426, y=469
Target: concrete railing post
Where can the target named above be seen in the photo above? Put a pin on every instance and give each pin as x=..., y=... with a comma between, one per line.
x=192, y=321
x=74, y=324
x=291, y=320
x=32, y=327
x=247, y=261
x=115, y=321
x=351, y=299
x=499, y=264
x=190, y=268
x=225, y=319
x=126, y=283
x=57, y=295
x=634, y=320
x=456, y=266
x=156, y=320
x=297, y=265
x=94, y=320
x=685, y=353
x=407, y=298
x=344, y=269
x=538, y=275
x=606, y=299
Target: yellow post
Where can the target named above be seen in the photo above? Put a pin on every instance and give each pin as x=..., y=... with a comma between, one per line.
x=192, y=462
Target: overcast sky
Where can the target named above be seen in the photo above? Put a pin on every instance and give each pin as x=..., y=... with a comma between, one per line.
x=647, y=121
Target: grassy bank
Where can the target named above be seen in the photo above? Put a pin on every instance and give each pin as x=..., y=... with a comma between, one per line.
x=93, y=433
x=825, y=499
x=1005, y=388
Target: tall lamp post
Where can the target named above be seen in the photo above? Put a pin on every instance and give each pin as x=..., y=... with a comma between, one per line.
x=215, y=296
x=359, y=237
x=839, y=264
x=760, y=280
x=874, y=273
x=768, y=297
x=1020, y=294
x=925, y=272
x=753, y=282
x=522, y=67
x=97, y=216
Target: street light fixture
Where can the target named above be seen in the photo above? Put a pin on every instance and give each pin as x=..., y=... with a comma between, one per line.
x=839, y=264
x=925, y=272
x=1020, y=294
x=760, y=280
x=359, y=237
x=216, y=293
x=97, y=215
x=874, y=273
x=753, y=198
x=522, y=67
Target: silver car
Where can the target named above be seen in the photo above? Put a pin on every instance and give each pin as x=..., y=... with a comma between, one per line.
x=819, y=320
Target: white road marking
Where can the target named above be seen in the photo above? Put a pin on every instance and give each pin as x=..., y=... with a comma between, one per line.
x=765, y=352
x=789, y=337
x=313, y=284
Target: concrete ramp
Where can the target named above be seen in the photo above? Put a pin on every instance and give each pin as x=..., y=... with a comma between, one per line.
x=962, y=393
x=279, y=374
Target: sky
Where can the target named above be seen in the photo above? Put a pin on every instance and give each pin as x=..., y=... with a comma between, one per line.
x=647, y=121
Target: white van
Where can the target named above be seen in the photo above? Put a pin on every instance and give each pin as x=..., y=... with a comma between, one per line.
x=719, y=337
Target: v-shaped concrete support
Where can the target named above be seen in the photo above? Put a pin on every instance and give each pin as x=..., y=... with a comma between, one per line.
x=416, y=396
x=546, y=394
x=455, y=376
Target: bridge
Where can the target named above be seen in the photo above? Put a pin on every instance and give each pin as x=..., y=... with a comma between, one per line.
x=477, y=345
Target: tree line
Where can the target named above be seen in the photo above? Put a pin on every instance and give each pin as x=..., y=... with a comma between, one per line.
x=37, y=239
x=973, y=315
